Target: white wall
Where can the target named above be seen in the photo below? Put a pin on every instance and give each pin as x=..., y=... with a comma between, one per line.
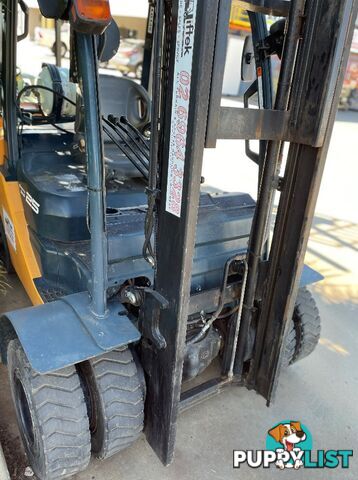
x=123, y=8
x=130, y=8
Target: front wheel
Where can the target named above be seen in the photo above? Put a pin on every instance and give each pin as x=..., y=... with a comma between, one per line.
x=305, y=328
x=52, y=417
x=114, y=388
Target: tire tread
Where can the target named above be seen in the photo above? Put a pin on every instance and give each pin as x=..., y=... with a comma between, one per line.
x=305, y=329
x=60, y=410
x=122, y=398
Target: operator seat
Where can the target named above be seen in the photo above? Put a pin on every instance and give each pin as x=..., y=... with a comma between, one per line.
x=122, y=96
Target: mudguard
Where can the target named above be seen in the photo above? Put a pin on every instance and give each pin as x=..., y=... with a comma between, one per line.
x=65, y=332
x=309, y=276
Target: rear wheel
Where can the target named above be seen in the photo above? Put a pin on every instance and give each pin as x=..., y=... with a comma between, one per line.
x=305, y=328
x=52, y=417
x=113, y=386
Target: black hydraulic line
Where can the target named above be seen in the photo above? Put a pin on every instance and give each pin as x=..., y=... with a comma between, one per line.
x=44, y=117
x=148, y=250
x=221, y=303
x=154, y=144
x=269, y=178
x=135, y=130
x=238, y=318
x=229, y=313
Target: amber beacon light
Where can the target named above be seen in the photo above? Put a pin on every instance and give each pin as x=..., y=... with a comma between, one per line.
x=90, y=16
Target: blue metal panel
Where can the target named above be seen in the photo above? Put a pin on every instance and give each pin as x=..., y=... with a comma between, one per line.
x=309, y=276
x=65, y=332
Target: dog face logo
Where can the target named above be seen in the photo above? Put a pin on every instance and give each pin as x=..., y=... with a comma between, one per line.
x=289, y=444
x=289, y=435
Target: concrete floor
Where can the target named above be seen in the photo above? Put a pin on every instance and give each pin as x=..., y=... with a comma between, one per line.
x=321, y=391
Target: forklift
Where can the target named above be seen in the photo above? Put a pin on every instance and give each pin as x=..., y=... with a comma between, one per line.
x=150, y=293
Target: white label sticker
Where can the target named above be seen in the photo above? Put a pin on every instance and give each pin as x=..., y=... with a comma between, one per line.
x=151, y=20
x=9, y=228
x=35, y=206
x=180, y=108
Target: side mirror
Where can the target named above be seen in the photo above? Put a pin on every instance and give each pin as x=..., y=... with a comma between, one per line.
x=53, y=9
x=24, y=20
x=108, y=42
x=248, y=65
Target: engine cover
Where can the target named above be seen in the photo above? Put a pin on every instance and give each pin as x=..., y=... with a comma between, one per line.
x=198, y=356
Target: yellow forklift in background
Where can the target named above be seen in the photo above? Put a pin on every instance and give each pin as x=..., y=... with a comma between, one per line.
x=239, y=18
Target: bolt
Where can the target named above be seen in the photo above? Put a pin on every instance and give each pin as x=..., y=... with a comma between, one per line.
x=280, y=183
x=131, y=297
x=82, y=144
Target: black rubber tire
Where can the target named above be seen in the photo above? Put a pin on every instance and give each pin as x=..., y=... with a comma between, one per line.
x=305, y=328
x=5, y=258
x=290, y=346
x=114, y=393
x=52, y=417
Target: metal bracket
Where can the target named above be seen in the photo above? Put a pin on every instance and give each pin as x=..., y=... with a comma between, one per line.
x=251, y=124
x=149, y=316
x=266, y=124
x=253, y=88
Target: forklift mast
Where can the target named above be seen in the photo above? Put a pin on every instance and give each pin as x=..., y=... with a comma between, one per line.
x=314, y=56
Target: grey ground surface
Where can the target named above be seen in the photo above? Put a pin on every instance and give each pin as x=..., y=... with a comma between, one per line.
x=321, y=391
